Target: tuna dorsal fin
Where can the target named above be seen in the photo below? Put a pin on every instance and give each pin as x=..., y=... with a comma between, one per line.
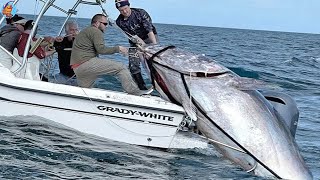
x=190, y=109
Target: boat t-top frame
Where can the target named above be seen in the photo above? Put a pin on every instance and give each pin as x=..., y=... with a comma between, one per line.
x=47, y=4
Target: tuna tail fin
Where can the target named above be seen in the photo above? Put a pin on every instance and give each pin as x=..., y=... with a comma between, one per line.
x=243, y=83
x=190, y=109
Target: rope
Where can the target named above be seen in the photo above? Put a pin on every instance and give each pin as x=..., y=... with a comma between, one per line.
x=222, y=144
x=47, y=66
x=190, y=98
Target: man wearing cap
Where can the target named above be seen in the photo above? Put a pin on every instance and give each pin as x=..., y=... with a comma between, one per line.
x=9, y=36
x=136, y=22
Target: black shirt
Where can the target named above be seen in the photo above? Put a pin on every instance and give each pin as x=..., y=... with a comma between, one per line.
x=64, y=56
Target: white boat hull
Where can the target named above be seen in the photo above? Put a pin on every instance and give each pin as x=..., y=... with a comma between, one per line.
x=147, y=121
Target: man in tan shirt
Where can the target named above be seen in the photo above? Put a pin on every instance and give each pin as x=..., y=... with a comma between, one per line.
x=88, y=66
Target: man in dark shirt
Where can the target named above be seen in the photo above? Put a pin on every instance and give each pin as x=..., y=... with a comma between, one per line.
x=134, y=21
x=9, y=36
x=63, y=46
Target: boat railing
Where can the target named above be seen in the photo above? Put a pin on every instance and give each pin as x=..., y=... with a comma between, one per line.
x=36, y=22
x=69, y=13
x=47, y=4
x=73, y=10
x=10, y=54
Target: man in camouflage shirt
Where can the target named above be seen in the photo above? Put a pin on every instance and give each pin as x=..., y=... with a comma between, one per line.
x=134, y=21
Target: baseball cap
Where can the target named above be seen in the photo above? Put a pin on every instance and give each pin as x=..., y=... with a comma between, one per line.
x=121, y=3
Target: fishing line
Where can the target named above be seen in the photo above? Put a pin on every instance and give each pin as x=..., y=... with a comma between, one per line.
x=190, y=99
x=196, y=74
x=46, y=64
x=222, y=144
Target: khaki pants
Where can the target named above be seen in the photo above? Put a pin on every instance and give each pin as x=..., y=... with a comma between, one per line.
x=89, y=71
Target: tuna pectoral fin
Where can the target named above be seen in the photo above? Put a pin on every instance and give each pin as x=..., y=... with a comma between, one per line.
x=243, y=83
x=190, y=109
x=286, y=108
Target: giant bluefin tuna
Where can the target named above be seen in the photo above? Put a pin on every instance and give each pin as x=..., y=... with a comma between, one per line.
x=227, y=108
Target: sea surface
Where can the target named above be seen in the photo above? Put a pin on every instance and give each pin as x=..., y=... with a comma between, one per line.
x=35, y=148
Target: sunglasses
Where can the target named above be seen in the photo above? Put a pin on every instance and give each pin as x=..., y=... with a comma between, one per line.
x=105, y=23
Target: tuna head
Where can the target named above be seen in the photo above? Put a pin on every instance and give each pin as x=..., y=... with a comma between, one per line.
x=227, y=110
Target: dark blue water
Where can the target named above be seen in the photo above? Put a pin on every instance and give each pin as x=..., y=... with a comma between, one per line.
x=35, y=148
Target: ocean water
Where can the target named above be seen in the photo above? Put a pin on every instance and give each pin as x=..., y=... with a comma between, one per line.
x=36, y=148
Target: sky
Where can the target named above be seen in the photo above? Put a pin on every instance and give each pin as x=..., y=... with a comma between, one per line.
x=275, y=15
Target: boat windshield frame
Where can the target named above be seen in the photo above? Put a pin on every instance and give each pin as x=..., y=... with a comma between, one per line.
x=46, y=5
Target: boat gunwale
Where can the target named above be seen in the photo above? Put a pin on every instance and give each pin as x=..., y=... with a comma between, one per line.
x=94, y=99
